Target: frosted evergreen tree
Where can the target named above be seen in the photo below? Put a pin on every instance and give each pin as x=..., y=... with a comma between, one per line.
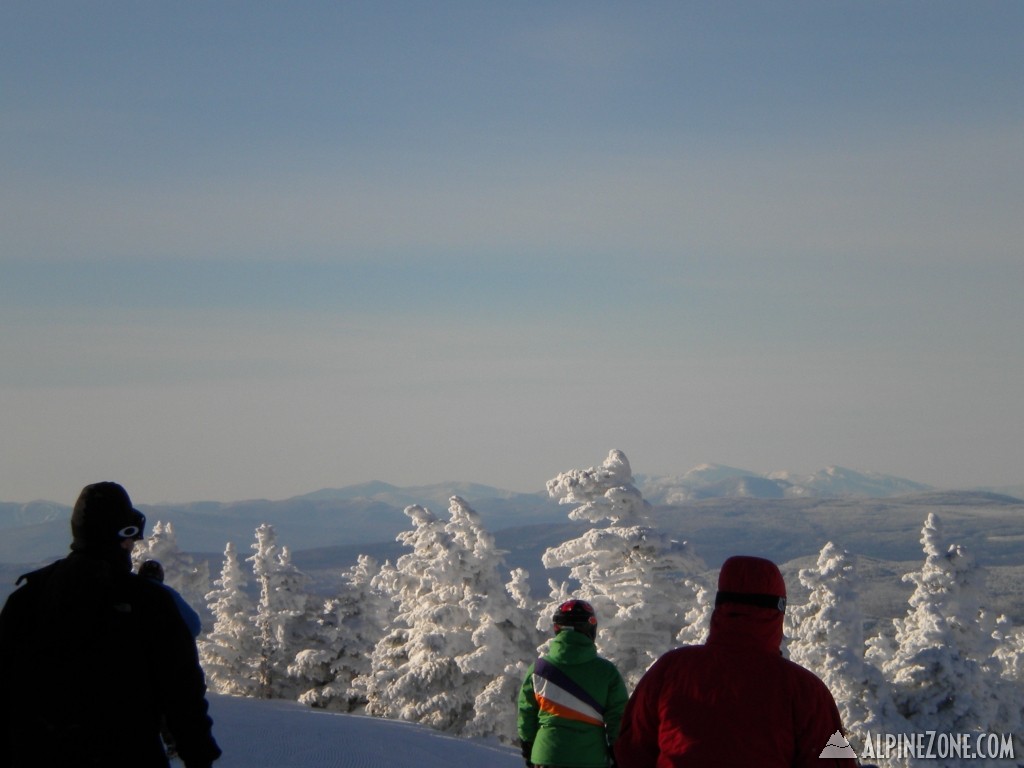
x=956, y=586
x=456, y=628
x=229, y=652
x=505, y=643
x=312, y=668
x=827, y=637
x=937, y=684
x=414, y=675
x=181, y=572
x=500, y=626
x=1010, y=652
x=350, y=626
x=365, y=613
x=389, y=653
x=286, y=616
x=697, y=621
x=827, y=633
x=635, y=577
x=519, y=589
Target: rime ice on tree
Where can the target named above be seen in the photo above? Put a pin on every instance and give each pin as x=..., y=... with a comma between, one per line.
x=634, y=576
x=285, y=617
x=456, y=633
x=827, y=634
x=697, y=621
x=230, y=651
x=828, y=638
x=944, y=675
x=348, y=627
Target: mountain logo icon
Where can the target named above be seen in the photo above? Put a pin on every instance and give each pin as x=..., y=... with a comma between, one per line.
x=838, y=746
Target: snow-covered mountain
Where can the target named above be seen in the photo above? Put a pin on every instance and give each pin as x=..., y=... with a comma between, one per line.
x=839, y=481
x=701, y=482
x=33, y=513
x=714, y=481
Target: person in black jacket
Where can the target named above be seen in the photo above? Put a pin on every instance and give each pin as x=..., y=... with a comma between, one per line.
x=92, y=656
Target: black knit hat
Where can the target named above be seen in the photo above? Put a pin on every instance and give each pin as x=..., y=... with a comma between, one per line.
x=104, y=515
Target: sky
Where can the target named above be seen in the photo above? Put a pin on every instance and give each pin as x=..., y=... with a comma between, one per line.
x=256, y=250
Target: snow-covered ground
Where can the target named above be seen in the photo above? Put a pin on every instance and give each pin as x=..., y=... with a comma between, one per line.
x=282, y=734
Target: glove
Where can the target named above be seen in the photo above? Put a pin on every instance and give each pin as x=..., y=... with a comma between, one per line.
x=527, y=749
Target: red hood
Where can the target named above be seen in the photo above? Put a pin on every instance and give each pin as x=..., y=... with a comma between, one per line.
x=749, y=626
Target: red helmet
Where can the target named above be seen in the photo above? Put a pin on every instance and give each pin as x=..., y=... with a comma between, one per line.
x=577, y=615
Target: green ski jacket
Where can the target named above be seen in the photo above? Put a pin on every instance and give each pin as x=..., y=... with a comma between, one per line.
x=570, y=704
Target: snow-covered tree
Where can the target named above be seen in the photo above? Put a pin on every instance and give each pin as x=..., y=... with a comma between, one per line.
x=312, y=667
x=637, y=578
x=350, y=626
x=519, y=589
x=230, y=650
x=827, y=637
x=827, y=633
x=504, y=645
x=181, y=571
x=1010, y=652
x=940, y=682
x=286, y=616
x=414, y=675
x=697, y=621
x=457, y=632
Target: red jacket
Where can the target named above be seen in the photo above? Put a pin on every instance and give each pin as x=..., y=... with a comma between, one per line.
x=734, y=701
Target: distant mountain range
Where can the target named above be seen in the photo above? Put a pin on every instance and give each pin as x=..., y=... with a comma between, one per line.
x=720, y=510
x=370, y=513
x=716, y=481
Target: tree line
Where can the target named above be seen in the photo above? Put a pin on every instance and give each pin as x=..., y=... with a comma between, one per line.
x=443, y=635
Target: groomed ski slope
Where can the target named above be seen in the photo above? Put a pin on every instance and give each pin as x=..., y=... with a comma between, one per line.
x=283, y=734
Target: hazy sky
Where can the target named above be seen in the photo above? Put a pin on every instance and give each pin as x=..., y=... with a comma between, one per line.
x=258, y=249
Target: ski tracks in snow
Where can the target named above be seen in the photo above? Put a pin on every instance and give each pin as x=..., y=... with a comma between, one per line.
x=283, y=734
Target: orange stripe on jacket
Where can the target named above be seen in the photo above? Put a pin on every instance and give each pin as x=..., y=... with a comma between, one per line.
x=554, y=708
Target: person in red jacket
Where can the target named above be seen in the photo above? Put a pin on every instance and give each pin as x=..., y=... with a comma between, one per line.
x=734, y=701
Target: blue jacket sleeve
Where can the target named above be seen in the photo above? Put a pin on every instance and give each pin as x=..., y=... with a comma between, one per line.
x=192, y=620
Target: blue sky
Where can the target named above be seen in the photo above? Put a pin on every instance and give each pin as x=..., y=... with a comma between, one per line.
x=254, y=250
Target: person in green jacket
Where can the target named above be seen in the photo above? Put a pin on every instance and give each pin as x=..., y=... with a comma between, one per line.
x=571, y=701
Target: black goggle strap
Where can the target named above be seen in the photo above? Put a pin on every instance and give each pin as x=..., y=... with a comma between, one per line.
x=747, y=598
